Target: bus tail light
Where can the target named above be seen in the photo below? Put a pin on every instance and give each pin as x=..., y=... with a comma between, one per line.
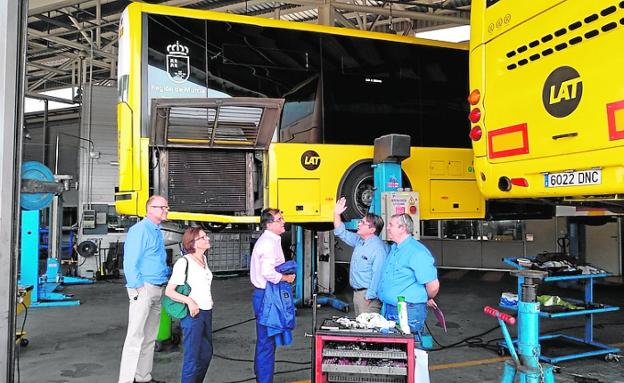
x=474, y=97
x=520, y=182
x=475, y=115
x=476, y=133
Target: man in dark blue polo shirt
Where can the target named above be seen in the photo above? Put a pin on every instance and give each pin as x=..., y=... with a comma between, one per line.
x=409, y=271
x=368, y=256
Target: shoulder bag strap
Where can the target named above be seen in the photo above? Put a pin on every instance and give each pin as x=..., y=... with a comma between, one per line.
x=186, y=270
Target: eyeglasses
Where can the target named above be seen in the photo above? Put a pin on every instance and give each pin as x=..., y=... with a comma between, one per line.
x=363, y=222
x=163, y=207
x=280, y=219
x=202, y=237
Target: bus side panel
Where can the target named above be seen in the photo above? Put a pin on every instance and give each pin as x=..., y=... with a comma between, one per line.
x=446, y=183
x=304, y=178
x=130, y=148
x=125, y=197
x=307, y=193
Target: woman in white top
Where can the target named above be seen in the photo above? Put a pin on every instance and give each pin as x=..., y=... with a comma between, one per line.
x=197, y=326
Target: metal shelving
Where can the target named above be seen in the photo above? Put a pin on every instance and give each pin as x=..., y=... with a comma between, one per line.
x=588, y=313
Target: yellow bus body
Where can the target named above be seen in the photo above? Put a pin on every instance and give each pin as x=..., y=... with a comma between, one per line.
x=444, y=177
x=552, y=97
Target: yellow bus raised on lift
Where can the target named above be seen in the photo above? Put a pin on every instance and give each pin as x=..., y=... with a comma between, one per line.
x=547, y=99
x=203, y=97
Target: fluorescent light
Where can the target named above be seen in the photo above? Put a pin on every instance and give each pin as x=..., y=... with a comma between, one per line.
x=452, y=35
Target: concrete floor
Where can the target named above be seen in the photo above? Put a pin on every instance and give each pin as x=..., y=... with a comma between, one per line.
x=83, y=344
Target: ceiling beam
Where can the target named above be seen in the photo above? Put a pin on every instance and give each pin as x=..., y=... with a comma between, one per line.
x=344, y=21
x=239, y=6
x=45, y=67
x=69, y=43
x=399, y=13
x=36, y=9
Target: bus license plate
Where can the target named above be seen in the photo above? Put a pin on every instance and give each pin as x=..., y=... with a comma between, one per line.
x=576, y=178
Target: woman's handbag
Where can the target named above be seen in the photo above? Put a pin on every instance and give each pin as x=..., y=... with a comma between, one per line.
x=178, y=309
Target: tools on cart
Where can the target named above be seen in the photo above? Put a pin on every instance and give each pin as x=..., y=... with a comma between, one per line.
x=355, y=356
x=525, y=362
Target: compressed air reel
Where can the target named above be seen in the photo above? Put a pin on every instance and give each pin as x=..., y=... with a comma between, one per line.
x=33, y=170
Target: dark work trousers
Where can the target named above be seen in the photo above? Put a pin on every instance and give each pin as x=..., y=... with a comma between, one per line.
x=197, y=341
x=264, y=358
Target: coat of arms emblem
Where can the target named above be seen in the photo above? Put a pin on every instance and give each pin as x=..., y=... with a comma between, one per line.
x=178, y=66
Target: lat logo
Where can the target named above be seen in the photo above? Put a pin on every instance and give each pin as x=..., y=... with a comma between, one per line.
x=562, y=91
x=310, y=160
x=178, y=65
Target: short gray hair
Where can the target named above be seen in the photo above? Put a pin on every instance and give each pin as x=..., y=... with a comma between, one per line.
x=151, y=199
x=405, y=221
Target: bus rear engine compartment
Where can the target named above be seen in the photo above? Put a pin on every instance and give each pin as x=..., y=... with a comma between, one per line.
x=207, y=155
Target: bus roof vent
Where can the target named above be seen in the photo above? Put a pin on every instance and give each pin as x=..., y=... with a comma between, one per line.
x=237, y=122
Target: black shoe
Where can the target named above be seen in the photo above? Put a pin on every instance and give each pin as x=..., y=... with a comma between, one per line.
x=152, y=381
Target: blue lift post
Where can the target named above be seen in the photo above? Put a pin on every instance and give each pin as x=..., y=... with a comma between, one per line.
x=299, y=259
x=389, y=151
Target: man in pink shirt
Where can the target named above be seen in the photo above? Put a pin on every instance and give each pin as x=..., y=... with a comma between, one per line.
x=267, y=253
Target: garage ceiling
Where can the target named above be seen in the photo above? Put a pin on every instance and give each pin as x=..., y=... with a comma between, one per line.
x=67, y=38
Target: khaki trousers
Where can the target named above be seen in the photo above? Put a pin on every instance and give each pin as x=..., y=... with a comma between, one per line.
x=137, y=357
x=360, y=306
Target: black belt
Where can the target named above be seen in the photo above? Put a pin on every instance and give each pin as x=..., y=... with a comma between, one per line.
x=159, y=285
x=360, y=289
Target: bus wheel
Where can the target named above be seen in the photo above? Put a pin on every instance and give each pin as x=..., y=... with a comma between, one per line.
x=358, y=189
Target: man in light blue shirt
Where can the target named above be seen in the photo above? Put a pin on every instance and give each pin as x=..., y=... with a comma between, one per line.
x=368, y=256
x=146, y=271
x=409, y=271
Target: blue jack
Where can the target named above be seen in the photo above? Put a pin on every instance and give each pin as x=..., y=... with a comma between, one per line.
x=524, y=362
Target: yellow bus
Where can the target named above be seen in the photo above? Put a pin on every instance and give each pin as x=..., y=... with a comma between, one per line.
x=547, y=100
x=204, y=96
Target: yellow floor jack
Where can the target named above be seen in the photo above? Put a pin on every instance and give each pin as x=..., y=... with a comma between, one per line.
x=23, y=302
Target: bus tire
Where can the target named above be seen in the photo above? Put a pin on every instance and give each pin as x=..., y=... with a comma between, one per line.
x=358, y=190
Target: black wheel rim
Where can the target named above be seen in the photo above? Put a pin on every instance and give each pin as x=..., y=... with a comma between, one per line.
x=363, y=195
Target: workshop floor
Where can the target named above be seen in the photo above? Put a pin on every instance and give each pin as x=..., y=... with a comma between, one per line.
x=83, y=344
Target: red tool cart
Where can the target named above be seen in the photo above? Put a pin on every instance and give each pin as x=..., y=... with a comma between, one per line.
x=356, y=356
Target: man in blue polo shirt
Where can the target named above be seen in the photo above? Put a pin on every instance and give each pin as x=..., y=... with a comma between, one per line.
x=409, y=271
x=368, y=256
x=146, y=271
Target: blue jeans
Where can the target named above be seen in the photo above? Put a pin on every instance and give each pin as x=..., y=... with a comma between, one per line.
x=264, y=358
x=197, y=341
x=416, y=315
